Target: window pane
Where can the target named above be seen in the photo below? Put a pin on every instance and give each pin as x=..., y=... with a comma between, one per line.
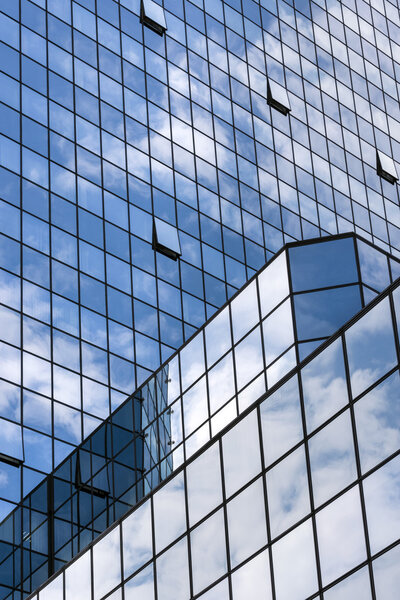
x=241, y=452
x=370, y=347
x=324, y=385
x=208, y=546
x=294, y=564
x=341, y=539
x=169, y=512
x=246, y=523
x=203, y=477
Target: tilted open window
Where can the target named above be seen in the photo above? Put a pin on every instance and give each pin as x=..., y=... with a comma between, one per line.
x=277, y=97
x=166, y=239
x=385, y=167
x=11, y=446
x=152, y=15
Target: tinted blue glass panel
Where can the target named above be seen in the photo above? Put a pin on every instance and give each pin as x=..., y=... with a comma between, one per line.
x=322, y=265
x=319, y=314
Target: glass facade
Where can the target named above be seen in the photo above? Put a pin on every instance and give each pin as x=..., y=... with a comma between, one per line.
x=240, y=353
x=153, y=156
x=298, y=498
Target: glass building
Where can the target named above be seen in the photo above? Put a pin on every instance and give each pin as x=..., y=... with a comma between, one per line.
x=153, y=157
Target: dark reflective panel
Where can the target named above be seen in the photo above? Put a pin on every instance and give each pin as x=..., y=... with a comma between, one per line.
x=324, y=385
x=319, y=314
x=370, y=347
x=378, y=422
x=323, y=264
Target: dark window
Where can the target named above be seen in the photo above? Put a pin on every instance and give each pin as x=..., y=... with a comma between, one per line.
x=152, y=15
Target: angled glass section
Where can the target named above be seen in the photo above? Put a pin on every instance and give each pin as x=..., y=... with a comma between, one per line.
x=152, y=15
x=277, y=97
x=166, y=239
x=385, y=167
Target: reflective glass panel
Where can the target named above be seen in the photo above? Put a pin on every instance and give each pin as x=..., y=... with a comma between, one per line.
x=374, y=266
x=273, y=284
x=141, y=586
x=324, y=385
x=382, y=503
x=319, y=314
x=281, y=421
x=248, y=358
x=208, y=547
x=341, y=540
x=370, y=347
x=246, y=523
x=169, y=512
x=241, y=453
x=173, y=572
x=244, y=311
x=218, y=337
x=203, y=477
x=107, y=573
x=356, y=586
x=294, y=564
x=253, y=579
x=287, y=490
x=332, y=458
x=137, y=539
x=221, y=383
x=78, y=578
x=323, y=264
x=387, y=574
x=378, y=422
x=278, y=332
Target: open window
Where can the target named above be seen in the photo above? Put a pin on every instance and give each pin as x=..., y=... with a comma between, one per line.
x=166, y=239
x=277, y=97
x=91, y=474
x=11, y=446
x=152, y=15
x=385, y=167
